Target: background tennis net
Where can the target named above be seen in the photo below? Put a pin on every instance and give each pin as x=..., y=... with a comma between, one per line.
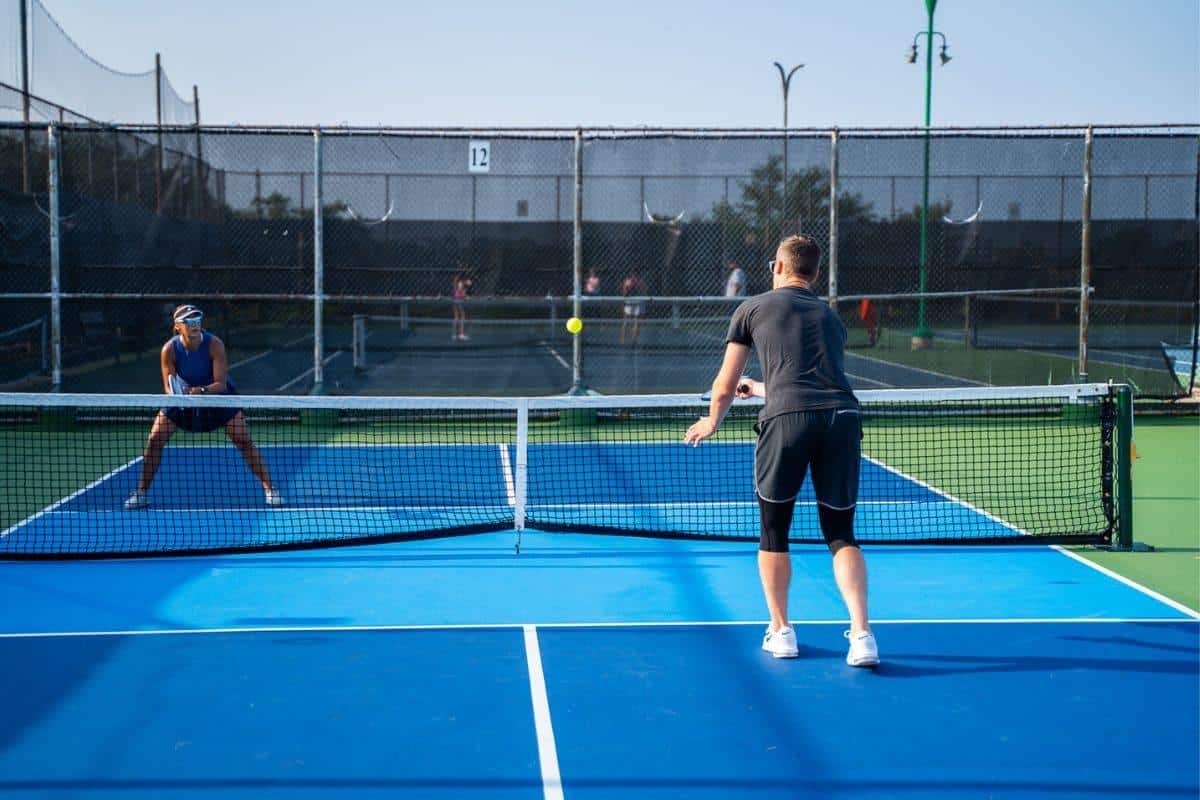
x=948, y=465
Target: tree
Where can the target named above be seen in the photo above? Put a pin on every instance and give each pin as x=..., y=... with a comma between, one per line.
x=758, y=220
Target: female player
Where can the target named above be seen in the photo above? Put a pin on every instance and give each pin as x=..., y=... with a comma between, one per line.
x=194, y=362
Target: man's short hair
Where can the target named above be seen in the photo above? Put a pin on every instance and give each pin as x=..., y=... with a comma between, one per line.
x=802, y=256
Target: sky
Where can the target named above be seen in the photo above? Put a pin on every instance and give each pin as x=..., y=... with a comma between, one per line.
x=646, y=63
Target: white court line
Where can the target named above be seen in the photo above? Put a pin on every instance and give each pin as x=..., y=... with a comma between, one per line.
x=510, y=486
x=1033, y=540
x=865, y=379
x=896, y=365
x=308, y=372
x=547, y=752
x=585, y=625
x=48, y=509
x=464, y=508
x=556, y=355
x=1180, y=607
x=266, y=353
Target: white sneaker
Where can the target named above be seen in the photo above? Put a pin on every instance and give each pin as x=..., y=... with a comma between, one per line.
x=863, y=650
x=781, y=643
x=137, y=500
x=274, y=498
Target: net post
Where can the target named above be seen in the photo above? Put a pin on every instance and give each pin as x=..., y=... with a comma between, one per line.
x=1085, y=255
x=318, y=269
x=577, y=259
x=521, y=478
x=1124, y=464
x=833, y=219
x=55, y=263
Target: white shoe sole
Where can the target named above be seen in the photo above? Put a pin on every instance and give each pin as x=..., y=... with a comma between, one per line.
x=863, y=662
x=789, y=654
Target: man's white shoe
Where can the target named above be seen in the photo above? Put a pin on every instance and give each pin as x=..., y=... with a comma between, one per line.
x=137, y=500
x=863, y=650
x=781, y=643
x=274, y=498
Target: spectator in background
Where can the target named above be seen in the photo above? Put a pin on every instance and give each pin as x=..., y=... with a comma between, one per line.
x=868, y=312
x=461, y=288
x=735, y=286
x=592, y=284
x=631, y=288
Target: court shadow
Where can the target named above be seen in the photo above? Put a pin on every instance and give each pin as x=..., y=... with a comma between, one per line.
x=908, y=665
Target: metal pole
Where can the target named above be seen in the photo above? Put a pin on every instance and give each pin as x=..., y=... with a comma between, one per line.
x=158, y=153
x=922, y=336
x=26, y=145
x=785, y=78
x=55, y=266
x=318, y=270
x=200, y=193
x=1085, y=255
x=833, y=219
x=577, y=260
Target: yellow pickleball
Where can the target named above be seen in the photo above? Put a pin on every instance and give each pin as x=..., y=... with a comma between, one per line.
x=574, y=325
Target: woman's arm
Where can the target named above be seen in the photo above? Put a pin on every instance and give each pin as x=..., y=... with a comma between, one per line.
x=166, y=363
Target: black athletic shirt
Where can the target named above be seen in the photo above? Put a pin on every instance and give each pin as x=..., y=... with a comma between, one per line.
x=800, y=343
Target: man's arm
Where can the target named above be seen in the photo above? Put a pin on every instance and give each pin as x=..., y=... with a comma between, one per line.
x=724, y=388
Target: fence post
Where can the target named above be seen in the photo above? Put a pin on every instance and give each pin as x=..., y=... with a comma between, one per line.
x=318, y=269
x=158, y=149
x=199, y=173
x=26, y=147
x=1085, y=255
x=55, y=264
x=833, y=219
x=577, y=260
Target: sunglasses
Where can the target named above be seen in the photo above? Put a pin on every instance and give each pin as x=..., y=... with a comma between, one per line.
x=193, y=322
x=772, y=263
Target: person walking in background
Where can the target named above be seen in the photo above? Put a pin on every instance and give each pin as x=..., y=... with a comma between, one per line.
x=735, y=285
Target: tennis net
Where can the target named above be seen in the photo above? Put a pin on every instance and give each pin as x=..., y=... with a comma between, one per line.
x=950, y=465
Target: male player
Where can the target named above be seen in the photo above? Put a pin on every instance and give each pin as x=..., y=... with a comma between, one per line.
x=193, y=361
x=810, y=418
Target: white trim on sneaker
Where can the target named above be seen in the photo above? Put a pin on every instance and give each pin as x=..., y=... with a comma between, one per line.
x=864, y=652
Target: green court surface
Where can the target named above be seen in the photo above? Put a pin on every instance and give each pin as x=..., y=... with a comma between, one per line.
x=1166, y=510
x=1004, y=366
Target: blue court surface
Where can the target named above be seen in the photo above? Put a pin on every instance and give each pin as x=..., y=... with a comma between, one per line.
x=588, y=666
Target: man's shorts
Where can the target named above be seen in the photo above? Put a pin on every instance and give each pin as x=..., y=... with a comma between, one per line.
x=828, y=440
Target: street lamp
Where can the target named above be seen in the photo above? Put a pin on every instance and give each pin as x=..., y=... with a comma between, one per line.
x=785, y=79
x=923, y=337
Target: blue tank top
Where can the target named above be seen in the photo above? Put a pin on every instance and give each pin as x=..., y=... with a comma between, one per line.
x=196, y=366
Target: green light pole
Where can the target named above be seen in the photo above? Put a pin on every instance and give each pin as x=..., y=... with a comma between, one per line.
x=922, y=337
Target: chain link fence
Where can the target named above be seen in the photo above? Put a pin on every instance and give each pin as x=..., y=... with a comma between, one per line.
x=428, y=262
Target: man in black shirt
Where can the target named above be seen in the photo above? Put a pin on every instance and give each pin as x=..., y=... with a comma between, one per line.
x=810, y=418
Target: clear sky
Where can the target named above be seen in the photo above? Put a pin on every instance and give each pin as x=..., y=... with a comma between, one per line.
x=665, y=63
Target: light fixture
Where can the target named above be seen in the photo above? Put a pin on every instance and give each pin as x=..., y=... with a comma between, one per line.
x=944, y=56
x=911, y=55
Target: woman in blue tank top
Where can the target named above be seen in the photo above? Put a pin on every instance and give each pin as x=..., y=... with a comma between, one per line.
x=193, y=361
